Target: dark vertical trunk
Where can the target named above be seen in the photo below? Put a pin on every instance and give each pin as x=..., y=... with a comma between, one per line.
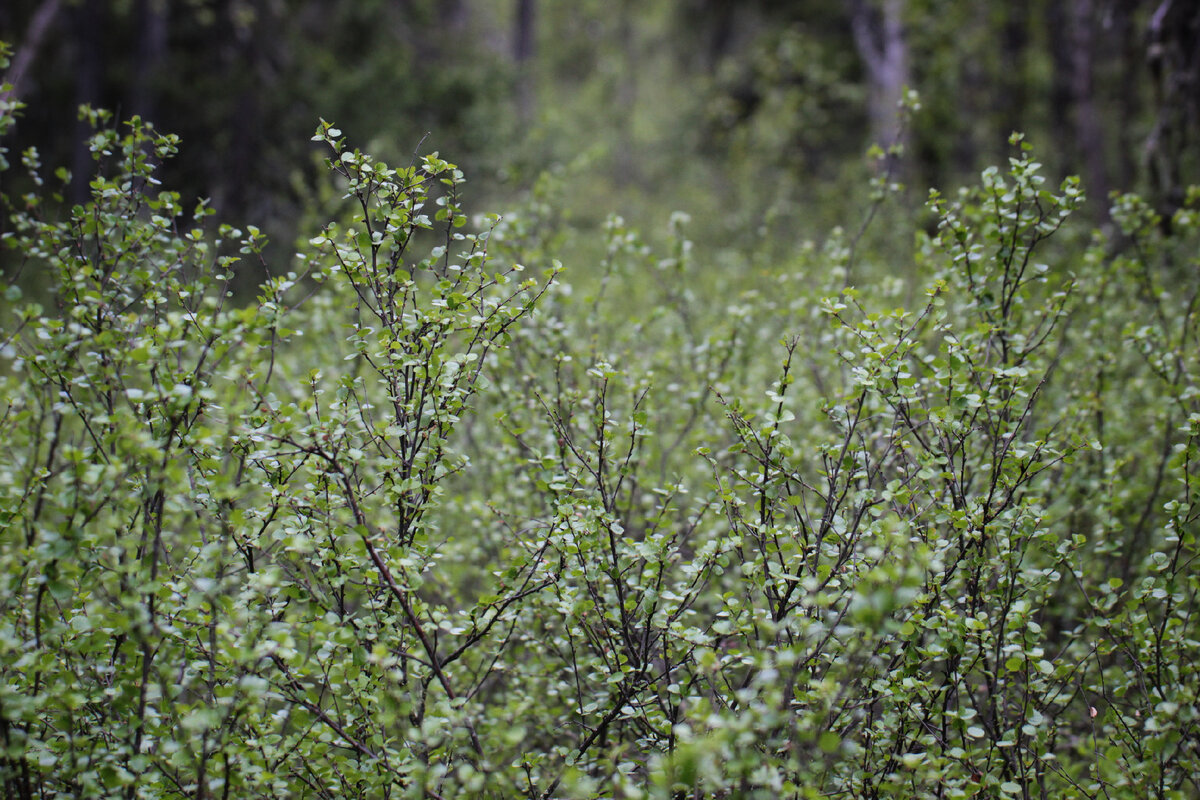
x=1130, y=97
x=87, y=25
x=971, y=87
x=1173, y=55
x=1089, y=135
x=1060, y=80
x=237, y=144
x=241, y=160
x=524, y=49
x=1012, y=103
x=150, y=50
x=721, y=32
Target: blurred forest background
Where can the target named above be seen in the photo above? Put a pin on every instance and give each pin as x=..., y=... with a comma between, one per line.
x=754, y=116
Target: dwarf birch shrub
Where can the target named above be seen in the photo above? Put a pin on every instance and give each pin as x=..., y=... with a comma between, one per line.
x=1144, y=737
x=212, y=555
x=128, y=649
x=413, y=523
x=891, y=598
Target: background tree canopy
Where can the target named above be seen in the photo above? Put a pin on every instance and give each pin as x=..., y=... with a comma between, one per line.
x=742, y=113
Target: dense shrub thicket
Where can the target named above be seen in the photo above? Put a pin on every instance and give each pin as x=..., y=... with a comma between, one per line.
x=414, y=524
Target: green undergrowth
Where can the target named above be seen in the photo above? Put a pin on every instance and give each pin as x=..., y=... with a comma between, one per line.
x=432, y=518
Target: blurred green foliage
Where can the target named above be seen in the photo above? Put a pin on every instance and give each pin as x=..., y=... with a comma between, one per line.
x=754, y=117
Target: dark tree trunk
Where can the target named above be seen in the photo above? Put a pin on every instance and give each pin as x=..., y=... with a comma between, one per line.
x=1131, y=97
x=524, y=50
x=1089, y=134
x=87, y=24
x=1012, y=102
x=150, y=19
x=1173, y=54
x=1060, y=80
x=971, y=101
x=720, y=37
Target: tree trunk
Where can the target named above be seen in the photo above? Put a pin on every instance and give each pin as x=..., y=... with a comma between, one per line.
x=1173, y=54
x=972, y=101
x=1131, y=99
x=1089, y=134
x=880, y=41
x=524, y=49
x=720, y=37
x=87, y=32
x=1012, y=103
x=150, y=17
x=1060, y=81
x=35, y=34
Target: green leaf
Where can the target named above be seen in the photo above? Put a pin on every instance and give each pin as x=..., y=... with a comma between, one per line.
x=829, y=742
